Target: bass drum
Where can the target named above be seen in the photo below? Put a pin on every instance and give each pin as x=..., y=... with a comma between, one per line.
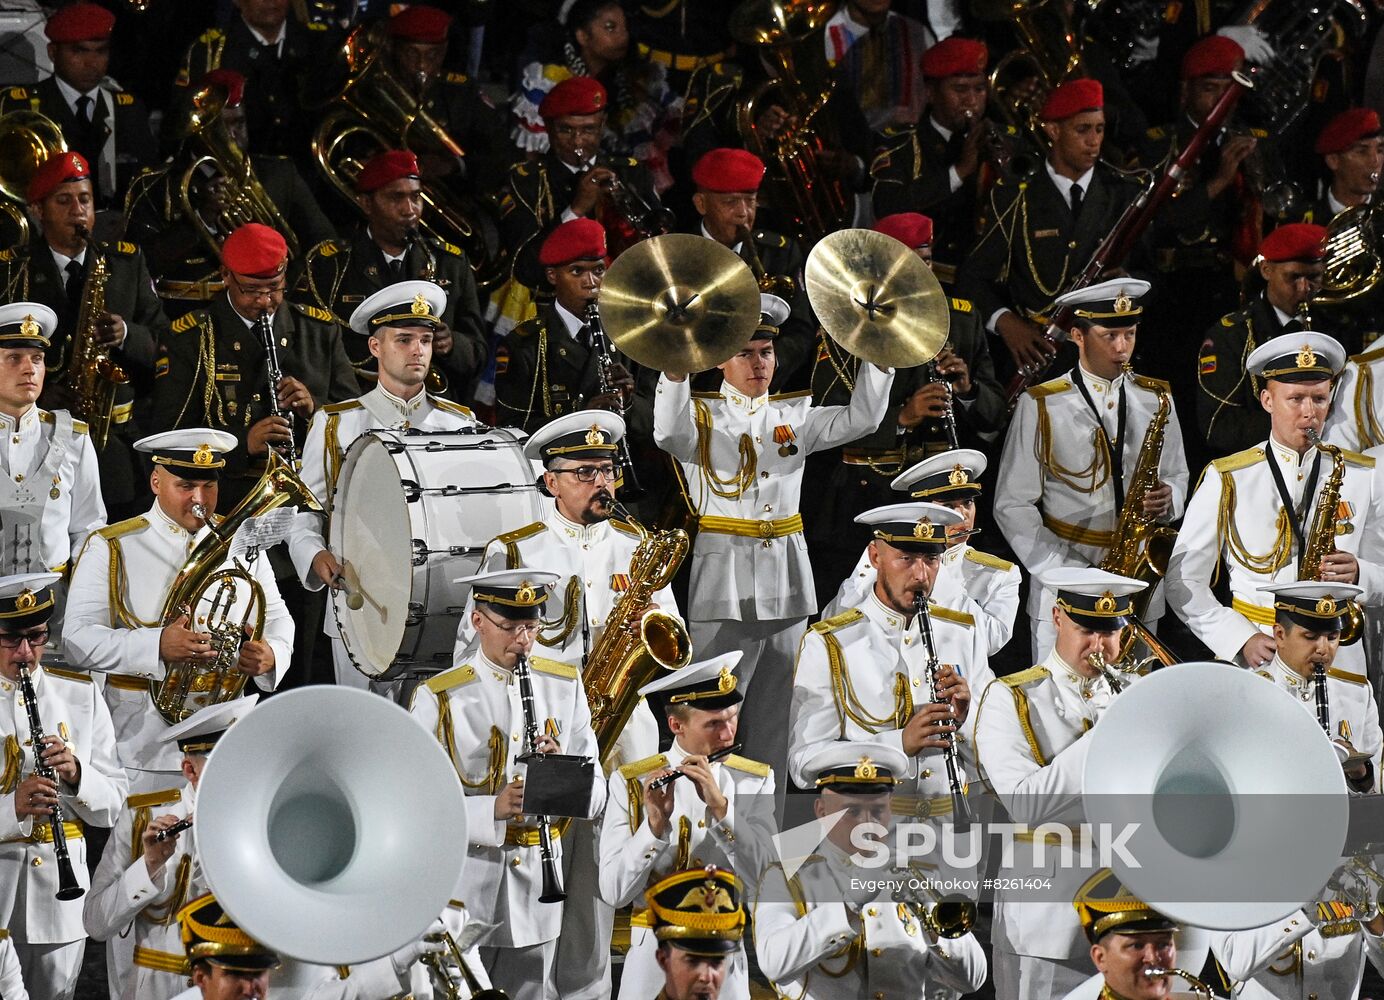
x=413, y=511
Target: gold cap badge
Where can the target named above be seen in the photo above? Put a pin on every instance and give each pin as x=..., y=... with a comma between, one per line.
x=1123, y=304
x=958, y=477
x=1105, y=604
x=594, y=435
x=865, y=768
x=203, y=455
x=29, y=327
x=725, y=682
x=709, y=897
x=526, y=594
x=1306, y=358
x=420, y=305
x=25, y=601
x=923, y=529
x=1326, y=606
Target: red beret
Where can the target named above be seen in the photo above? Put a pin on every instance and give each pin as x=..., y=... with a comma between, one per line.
x=255, y=251
x=1072, y=98
x=579, y=239
x=1348, y=128
x=79, y=22
x=420, y=24
x=909, y=228
x=1214, y=55
x=1295, y=241
x=955, y=56
x=728, y=170
x=57, y=169
x=227, y=80
x=386, y=168
x=576, y=95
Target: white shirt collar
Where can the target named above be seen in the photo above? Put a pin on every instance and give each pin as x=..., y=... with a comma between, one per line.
x=408, y=407
x=886, y=618
x=277, y=41
x=62, y=260
x=737, y=246
x=71, y=93
x=582, y=532
x=484, y=662
x=249, y=322
x=25, y=421
x=945, y=132
x=1064, y=184
x=955, y=553
x=389, y=257
x=570, y=321
x=1283, y=318
x=739, y=400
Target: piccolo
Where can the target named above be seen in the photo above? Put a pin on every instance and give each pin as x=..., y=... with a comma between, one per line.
x=668, y=779
x=174, y=830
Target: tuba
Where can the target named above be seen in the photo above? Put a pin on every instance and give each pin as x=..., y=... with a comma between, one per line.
x=1321, y=538
x=1048, y=53
x=188, y=686
x=92, y=375
x=27, y=138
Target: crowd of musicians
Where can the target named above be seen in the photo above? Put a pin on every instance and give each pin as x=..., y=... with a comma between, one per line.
x=1069, y=305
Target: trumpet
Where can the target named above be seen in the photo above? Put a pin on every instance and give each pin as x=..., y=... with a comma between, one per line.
x=461, y=984
x=993, y=143
x=629, y=217
x=1198, y=987
x=947, y=915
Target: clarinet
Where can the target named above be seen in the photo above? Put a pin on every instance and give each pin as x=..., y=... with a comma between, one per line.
x=605, y=365
x=949, y=412
x=67, y=878
x=1319, y=694
x=552, y=877
x=961, y=809
x=271, y=362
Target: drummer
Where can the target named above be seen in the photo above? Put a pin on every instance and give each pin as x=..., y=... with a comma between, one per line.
x=400, y=321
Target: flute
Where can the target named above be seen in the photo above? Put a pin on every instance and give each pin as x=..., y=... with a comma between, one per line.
x=174, y=830
x=712, y=758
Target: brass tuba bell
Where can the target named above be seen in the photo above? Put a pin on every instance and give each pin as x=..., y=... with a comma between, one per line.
x=27, y=138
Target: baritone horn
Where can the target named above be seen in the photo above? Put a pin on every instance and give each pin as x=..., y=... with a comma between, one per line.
x=27, y=138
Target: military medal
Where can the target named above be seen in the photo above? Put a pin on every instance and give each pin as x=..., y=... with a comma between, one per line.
x=785, y=438
x=54, y=493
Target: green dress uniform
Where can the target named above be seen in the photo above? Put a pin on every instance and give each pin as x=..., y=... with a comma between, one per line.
x=338, y=275
x=1228, y=412
x=212, y=372
x=457, y=104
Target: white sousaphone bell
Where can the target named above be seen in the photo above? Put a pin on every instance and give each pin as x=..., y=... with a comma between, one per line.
x=331, y=826
x=1239, y=797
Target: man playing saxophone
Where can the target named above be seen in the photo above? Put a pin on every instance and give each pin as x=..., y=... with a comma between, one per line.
x=1075, y=444
x=1279, y=512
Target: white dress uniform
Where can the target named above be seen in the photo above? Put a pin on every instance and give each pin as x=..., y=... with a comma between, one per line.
x=113, y=627
x=751, y=585
x=1352, y=709
x=1356, y=422
x=1055, y=497
x=1291, y=959
x=476, y=713
x=11, y=978
x=48, y=934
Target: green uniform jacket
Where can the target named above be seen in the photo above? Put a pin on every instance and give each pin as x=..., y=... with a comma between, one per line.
x=1229, y=414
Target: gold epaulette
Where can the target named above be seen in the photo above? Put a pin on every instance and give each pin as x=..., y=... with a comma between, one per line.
x=1368, y=356
x=449, y=679
x=799, y=394
x=837, y=622
x=951, y=615
x=1030, y=676
x=770, y=239
x=8, y=254
x=454, y=77
x=18, y=94
x=553, y=669
x=450, y=407
x=122, y=247
x=125, y=99
x=350, y=404
x=1050, y=388
x=1155, y=384
x=113, y=531
x=186, y=322
x=166, y=797
x=962, y=305
x=80, y=426
x=521, y=168
x=1355, y=458
x=989, y=561
x=1239, y=460
x=754, y=767
x=327, y=248
x=706, y=395
x=624, y=527
x=211, y=35
x=313, y=312
x=640, y=768
x=1341, y=675
x=1229, y=319
x=519, y=534
x=68, y=675
x=450, y=248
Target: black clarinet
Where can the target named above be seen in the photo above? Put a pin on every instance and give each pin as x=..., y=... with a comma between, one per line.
x=67, y=878
x=552, y=876
x=1319, y=694
x=961, y=809
x=605, y=364
x=174, y=830
x=265, y=330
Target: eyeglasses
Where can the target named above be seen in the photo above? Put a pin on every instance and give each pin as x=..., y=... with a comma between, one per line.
x=513, y=628
x=588, y=473
x=36, y=638
x=263, y=292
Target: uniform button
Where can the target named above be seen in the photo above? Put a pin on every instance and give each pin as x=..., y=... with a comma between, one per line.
x=235, y=346
x=876, y=952
x=908, y=642
x=516, y=862
x=15, y=439
x=768, y=508
x=514, y=737
x=915, y=682
x=1312, y=956
x=762, y=475
x=696, y=862
x=879, y=996
x=38, y=862
x=19, y=478
x=872, y=912
x=701, y=824
x=758, y=439
x=927, y=772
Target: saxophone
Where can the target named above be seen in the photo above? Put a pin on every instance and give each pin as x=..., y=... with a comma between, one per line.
x=1321, y=539
x=92, y=375
x=636, y=641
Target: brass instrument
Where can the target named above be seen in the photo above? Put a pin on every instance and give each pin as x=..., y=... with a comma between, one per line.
x=188, y=685
x=781, y=285
x=627, y=216
x=1198, y=987
x=947, y=916
x=1356, y=882
x=374, y=111
x=1321, y=536
x=460, y=984
x=1048, y=54
x=27, y=138
x=242, y=198
x=68, y=887
x=1112, y=671
x=1353, y=262
x=92, y=375
x=1141, y=546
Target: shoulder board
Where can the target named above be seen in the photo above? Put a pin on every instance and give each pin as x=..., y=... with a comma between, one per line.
x=122, y=247
x=125, y=100
x=987, y=560
x=624, y=527
x=642, y=767
x=519, y=534
x=327, y=248
x=1157, y=132
x=1239, y=460
x=838, y=621
x=211, y=35
x=313, y=312
x=315, y=26
x=453, y=678
x=450, y=248
x=1050, y=388
x=46, y=417
x=7, y=254
x=1230, y=319
x=776, y=397
x=706, y=395
x=952, y=615
x=1030, y=676
x=79, y=426
x=1369, y=356
x=1340, y=675
x=553, y=669
x=748, y=766
x=450, y=407
x=1155, y=384
x=1355, y=458
x=770, y=239
x=162, y=798
x=962, y=305
x=68, y=675
x=898, y=133
x=456, y=78
x=522, y=168
x=18, y=94
x=186, y=321
x=112, y=531
x=350, y=404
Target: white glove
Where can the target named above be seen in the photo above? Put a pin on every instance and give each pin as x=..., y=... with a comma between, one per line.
x=428, y=944
x=1251, y=39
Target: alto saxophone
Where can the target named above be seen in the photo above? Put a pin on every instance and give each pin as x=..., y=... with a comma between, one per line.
x=92, y=375
x=1320, y=541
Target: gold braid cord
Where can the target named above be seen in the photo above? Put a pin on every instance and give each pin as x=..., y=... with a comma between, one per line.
x=166, y=914
x=565, y=625
x=1228, y=533
x=1086, y=480
x=121, y=615
x=1048, y=293
x=1366, y=422
x=14, y=758
x=446, y=735
x=734, y=487
x=848, y=705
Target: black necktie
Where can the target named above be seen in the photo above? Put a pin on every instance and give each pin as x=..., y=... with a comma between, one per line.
x=584, y=336
x=396, y=269
x=1077, y=195
x=84, y=109
x=73, y=284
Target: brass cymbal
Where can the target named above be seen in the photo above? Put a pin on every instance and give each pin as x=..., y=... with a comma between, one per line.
x=877, y=299
x=679, y=303
x=779, y=22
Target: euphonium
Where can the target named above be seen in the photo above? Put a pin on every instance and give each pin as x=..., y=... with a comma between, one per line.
x=187, y=685
x=27, y=138
x=1321, y=538
x=91, y=373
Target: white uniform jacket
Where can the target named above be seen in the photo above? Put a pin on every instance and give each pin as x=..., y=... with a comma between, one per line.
x=863, y=674
x=1356, y=422
x=114, y=610
x=985, y=587
x=123, y=894
x=1027, y=736
x=1055, y=498
x=1350, y=706
x=1290, y=959
x=806, y=936
x=11, y=975
x=1236, y=516
x=475, y=711
x=742, y=460
x=50, y=492
x=69, y=706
